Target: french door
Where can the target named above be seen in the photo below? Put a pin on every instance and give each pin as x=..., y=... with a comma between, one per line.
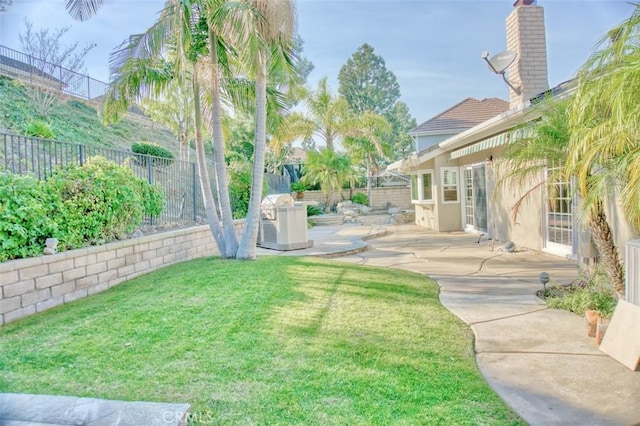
x=559, y=229
x=475, y=197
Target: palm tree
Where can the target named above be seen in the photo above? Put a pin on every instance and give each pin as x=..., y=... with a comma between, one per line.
x=138, y=67
x=265, y=29
x=541, y=151
x=218, y=24
x=175, y=110
x=604, y=150
x=329, y=115
x=365, y=143
x=270, y=39
x=329, y=169
x=546, y=149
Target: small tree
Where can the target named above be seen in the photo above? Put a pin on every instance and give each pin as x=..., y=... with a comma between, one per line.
x=329, y=169
x=53, y=66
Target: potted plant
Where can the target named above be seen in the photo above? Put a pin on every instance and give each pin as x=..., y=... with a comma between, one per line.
x=299, y=188
x=599, y=306
x=595, y=300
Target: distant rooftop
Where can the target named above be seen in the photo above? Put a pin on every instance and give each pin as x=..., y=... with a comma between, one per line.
x=463, y=115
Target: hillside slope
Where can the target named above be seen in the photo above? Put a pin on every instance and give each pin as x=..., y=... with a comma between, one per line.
x=77, y=121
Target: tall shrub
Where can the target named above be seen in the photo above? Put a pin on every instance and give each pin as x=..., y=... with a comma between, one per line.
x=101, y=201
x=27, y=212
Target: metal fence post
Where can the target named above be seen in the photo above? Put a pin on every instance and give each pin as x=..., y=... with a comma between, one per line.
x=81, y=155
x=193, y=186
x=150, y=178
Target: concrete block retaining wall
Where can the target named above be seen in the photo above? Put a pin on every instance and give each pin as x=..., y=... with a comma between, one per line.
x=381, y=198
x=32, y=285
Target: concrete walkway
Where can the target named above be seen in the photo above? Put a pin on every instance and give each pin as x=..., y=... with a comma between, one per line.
x=539, y=360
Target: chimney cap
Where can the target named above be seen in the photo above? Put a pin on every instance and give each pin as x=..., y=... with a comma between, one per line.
x=524, y=3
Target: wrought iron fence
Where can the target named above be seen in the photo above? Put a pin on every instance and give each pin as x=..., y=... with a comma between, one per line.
x=38, y=72
x=178, y=180
x=277, y=184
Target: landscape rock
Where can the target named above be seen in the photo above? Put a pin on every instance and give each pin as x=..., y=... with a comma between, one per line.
x=349, y=216
x=51, y=246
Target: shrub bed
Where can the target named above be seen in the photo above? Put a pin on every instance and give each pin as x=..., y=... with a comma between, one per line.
x=79, y=205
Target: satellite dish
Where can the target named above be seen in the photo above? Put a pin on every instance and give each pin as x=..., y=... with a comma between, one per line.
x=499, y=63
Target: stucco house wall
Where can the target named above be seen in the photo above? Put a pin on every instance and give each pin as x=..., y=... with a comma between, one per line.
x=425, y=141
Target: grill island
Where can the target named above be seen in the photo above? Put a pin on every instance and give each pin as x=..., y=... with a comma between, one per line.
x=283, y=224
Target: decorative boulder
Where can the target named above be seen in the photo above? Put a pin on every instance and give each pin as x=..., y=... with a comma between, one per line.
x=360, y=209
x=349, y=216
x=51, y=246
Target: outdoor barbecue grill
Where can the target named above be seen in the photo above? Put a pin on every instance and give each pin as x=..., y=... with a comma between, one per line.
x=283, y=224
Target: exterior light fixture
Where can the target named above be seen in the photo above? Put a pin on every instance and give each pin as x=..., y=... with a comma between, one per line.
x=544, y=279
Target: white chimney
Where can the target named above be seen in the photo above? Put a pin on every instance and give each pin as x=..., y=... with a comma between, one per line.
x=526, y=37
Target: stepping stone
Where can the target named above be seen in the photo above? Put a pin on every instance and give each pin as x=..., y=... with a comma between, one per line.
x=34, y=410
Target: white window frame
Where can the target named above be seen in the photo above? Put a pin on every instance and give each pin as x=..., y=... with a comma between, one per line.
x=419, y=180
x=444, y=186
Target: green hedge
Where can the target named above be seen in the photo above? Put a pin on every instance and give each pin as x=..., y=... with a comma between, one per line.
x=27, y=211
x=153, y=149
x=79, y=205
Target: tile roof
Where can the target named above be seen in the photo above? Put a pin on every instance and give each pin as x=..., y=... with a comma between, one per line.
x=463, y=115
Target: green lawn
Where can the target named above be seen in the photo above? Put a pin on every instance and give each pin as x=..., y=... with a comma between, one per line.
x=281, y=340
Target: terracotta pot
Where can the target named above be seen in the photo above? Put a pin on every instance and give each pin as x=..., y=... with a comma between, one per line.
x=601, y=328
x=592, y=317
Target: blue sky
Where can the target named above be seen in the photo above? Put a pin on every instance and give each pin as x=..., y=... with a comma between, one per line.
x=432, y=46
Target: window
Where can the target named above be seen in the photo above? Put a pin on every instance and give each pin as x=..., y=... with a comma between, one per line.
x=449, y=184
x=422, y=187
x=414, y=187
x=427, y=188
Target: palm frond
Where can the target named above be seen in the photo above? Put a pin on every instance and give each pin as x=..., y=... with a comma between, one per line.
x=136, y=79
x=81, y=10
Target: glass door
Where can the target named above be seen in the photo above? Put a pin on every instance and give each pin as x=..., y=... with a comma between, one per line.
x=559, y=219
x=475, y=198
x=479, y=198
x=468, y=199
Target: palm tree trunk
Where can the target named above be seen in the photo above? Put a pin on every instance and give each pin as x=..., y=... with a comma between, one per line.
x=247, y=249
x=603, y=239
x=230, y=237
x=203, y=172
x=329, y=143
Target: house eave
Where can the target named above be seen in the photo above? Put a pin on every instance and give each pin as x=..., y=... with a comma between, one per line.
x=498, y=124
x=438, y=132
x=517, y=115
